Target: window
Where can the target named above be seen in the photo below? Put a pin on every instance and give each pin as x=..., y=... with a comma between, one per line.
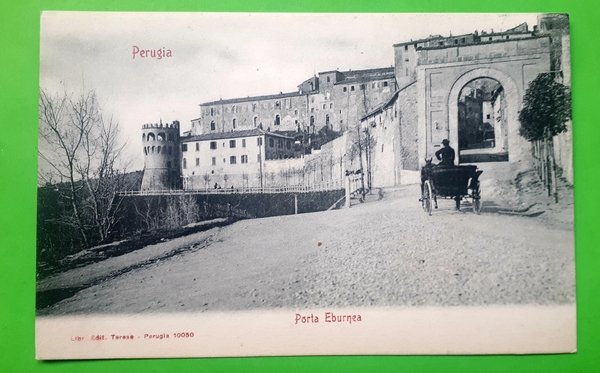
x=184, y=163
x=232, y=143
x=352, y=88
x=487, y=116
x=277, y=121
x=327, y=119
x=490, y=38
x=233, y=122
x=255, y=121
x=253, y=108
x=328, y=79
x=312, y=120
x=184, y=147
x=259, y=141
x=455, y=41
x=345, y=89
x=385, y=84
x=212, y=125
x=197, y=146
x=271, y=142
x=214, y=161
x=382, y=148
x=232, y=159
x=288, y=144
x=277, y=104
x=362, y=87
x=295, y=112
x=197, y=161
x=213, y=145
x=331, y=106
x=212, y=112
x=243, y=143
x=406, y=47
x=462, y=40
x=323, y=106
x=244, y=159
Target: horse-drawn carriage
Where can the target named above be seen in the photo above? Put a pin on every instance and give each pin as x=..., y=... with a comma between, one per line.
x=450, y=182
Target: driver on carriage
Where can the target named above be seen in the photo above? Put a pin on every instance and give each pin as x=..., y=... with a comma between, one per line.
x=446, y=154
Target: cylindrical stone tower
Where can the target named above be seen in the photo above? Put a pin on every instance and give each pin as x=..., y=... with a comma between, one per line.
x=162, y=168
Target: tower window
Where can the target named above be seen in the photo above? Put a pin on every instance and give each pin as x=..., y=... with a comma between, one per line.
x=232, y=160
x=213, y=145
x=212, y=125
x=232, y=143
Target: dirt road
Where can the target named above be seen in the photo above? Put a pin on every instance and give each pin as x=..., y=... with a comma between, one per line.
x=383, y=252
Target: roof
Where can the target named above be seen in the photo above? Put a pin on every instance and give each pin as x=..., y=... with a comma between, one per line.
x=430, y=37
x=484, y=42
x=386, y=104
x=232, y=135
x=252, y=98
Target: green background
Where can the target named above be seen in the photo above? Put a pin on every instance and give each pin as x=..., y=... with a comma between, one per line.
x=19, y=63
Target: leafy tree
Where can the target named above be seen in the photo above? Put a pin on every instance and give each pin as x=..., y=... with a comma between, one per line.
x=546, y=108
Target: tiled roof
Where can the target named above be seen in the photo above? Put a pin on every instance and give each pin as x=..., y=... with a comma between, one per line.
x=252, y=98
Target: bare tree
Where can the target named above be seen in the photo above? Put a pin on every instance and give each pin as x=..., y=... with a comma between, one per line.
x=206, y=178
x=81, y=150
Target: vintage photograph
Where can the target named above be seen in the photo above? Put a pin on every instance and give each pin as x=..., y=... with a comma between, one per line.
x=235, y=184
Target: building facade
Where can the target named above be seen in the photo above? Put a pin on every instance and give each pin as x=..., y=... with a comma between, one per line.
x=232, y=159
x=333, y=99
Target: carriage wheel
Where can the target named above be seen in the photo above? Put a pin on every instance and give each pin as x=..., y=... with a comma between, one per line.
x=427, y=197
x=477, y=199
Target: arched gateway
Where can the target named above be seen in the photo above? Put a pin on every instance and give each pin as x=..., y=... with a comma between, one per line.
x=444, y=77
x=497, y=138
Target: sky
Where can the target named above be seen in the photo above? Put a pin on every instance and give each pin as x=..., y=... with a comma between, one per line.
x=220, y=55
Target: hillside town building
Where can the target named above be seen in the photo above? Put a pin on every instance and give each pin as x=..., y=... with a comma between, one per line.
x=232, y=159
x=466, y=88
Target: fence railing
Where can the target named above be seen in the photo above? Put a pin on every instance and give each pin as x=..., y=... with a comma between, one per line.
x=327, y=186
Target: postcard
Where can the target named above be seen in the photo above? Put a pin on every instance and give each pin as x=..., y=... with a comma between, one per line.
x=263, y=184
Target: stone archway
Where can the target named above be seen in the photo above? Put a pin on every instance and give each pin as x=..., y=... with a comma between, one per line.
x=517, y=146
